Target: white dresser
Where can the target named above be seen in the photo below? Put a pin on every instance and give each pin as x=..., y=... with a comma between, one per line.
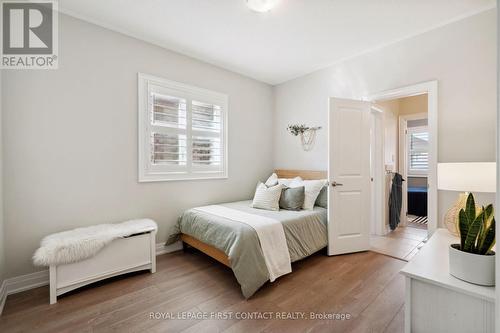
x=438, y=302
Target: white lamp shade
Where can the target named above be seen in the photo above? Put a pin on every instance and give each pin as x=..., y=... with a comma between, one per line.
x=467, y=177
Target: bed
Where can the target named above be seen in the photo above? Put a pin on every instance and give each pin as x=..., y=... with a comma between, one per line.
x=417, y=201
x=237, y=246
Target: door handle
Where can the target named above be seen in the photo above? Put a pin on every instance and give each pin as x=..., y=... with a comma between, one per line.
x=336, y=184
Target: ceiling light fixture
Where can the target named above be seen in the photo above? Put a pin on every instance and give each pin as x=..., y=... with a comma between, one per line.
x=261, y=6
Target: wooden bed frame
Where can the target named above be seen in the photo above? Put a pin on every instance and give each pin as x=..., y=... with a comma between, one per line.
x=221, y=256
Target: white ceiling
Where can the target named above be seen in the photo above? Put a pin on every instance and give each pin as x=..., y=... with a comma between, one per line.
x=295, y=38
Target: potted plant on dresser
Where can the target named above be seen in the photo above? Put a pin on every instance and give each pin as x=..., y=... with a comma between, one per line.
x=473, y=260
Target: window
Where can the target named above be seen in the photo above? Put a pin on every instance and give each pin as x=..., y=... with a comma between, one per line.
x=418, y=151
x=182, y=131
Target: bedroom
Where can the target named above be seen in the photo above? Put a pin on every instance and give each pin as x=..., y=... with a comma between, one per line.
x=71, y=157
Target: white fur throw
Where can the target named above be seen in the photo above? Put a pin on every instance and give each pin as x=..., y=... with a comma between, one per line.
x=82, y=243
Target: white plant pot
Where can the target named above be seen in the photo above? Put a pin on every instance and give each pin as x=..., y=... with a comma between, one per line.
x=473, y=268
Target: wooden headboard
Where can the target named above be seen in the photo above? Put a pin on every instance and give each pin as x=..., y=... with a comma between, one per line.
x=304, y=174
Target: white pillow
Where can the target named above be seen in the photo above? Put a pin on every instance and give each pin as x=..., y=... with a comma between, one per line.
x=290, y=182
x=272, y=180
x=267, y=197
x=312, y=189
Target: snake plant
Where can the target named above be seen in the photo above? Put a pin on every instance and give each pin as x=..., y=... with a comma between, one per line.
x=477, y=228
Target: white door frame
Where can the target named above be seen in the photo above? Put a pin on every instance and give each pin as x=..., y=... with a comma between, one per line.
x=403, y=157
x=377, y=173
x=431, y=89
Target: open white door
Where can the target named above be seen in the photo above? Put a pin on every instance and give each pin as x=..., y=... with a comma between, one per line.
x=349, y=176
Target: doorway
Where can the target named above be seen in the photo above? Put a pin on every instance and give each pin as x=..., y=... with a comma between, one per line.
x=357, y=170
x=414, y=135
x=404, y=142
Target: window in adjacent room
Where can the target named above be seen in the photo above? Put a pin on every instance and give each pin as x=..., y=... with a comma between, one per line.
x=182, y=131
x=418, y=151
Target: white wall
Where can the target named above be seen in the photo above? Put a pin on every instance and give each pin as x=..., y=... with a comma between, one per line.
x=391, y=132
x=71, y=139
x=2, y=236
x=391, y=154
x=461, y=56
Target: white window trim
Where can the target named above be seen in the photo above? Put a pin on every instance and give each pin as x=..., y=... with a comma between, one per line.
x=185, y=91
x=416, y=173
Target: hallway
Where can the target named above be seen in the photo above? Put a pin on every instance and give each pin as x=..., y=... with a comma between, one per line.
x=402, y=243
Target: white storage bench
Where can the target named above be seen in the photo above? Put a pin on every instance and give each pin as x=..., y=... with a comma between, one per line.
x=122, y=255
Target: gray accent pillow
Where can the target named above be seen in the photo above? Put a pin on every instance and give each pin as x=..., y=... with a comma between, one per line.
x=322, y=199
x=292, y=198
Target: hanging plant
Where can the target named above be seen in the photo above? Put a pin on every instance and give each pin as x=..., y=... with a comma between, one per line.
x=297, y=129
x=307, y=134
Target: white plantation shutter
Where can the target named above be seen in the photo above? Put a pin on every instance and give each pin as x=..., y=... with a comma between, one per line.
x=206, y=151
x=168, y=111
x=182, y=131
x=418, y=150
x=206, y=125
x=168, y=125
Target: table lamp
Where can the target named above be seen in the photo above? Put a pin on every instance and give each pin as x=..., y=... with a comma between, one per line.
x=464, y=177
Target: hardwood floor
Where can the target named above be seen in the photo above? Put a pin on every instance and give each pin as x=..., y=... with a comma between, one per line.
x=403, y=243
x=367, y=286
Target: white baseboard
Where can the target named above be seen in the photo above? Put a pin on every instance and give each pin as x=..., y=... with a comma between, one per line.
x=162, y=248
x=25, y=282
x=41, y=278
